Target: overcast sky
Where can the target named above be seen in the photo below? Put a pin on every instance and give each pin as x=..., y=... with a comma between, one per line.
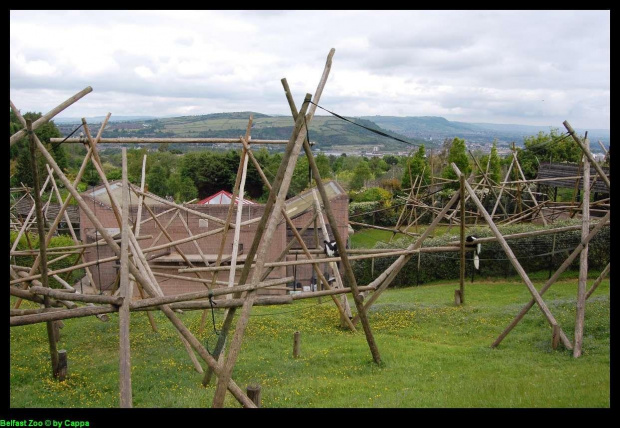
x=518, y=67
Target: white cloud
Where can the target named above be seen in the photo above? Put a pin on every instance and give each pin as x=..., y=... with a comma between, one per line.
x=482, y=66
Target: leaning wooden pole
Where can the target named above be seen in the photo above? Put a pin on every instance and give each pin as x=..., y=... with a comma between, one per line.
x=49, y=115
x=269, y=222
x=382, y=282
x=513, y=260
x=43, y=257
x=586, y=151
x=126, y=293
x=583, y=257
x=553, y=278
x=374, y=350
x=598, y=280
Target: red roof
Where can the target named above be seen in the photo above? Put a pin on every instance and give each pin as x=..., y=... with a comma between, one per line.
x=223, y=197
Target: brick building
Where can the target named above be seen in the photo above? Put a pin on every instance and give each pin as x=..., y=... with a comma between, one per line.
x=300, y=208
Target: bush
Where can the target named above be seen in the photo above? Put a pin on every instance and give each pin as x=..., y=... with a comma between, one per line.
x=533, y=253
x=57, y=241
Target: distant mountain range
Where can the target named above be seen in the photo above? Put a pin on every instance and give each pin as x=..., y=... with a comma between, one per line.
x=330, y=133
x=427, y=127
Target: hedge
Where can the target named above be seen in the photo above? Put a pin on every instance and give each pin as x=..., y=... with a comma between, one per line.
x=533, y=253
x=57, y=241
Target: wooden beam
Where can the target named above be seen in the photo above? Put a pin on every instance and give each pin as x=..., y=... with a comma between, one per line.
x=126, y=291
x=170, y=140
x=583, y=257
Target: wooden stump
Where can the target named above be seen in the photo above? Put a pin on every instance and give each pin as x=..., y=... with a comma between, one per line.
x=61, y=370
x=296, y=344
x=457, y=297
x=56, y=325
x=253, y=392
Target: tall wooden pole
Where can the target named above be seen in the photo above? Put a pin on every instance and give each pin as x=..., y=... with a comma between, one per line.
x=43, y=257
x=462, y=229
x=126, y=293
x=583, y=257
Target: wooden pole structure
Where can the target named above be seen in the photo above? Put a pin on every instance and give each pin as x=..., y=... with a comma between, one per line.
x=333, y=266
x=528, y=188
x=501, y=190
x=586, y=151
x=47, y=116
x=233, y=387
x=598, y=281
x=461, y=299
x=237, y=190
x=265, y=227
x=332, y=220
x=137, y=225
x=43, y=256
x=126, y=294
x=583, y=257
x=554, y=278
x=513, y=259
x=382, y=282
x=253, y=392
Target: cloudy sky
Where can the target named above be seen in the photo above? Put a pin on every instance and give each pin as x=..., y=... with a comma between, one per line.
x=518, y=67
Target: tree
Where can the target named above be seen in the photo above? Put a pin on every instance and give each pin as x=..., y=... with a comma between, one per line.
x=157, y=180
x=419, y=166
x=543, y=147
x=181, y=188
x=495, y=167
x=20, y=151
x=361, y=173
x=457, y=155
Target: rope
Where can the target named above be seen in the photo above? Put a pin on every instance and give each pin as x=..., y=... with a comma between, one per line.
x=362, y=126
x=217, y=333
x=54, y=147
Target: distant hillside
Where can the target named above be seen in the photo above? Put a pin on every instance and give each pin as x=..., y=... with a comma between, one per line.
x=99, y=119
x=329, y=133
x=439, y=128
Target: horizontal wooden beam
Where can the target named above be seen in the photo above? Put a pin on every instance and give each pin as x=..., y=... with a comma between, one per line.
x=167, y=140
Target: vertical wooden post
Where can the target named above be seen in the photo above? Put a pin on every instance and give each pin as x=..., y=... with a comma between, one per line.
x=457, y=297
x=126, y=293
x=462, y=229
x=42, y=250
x=62, y=365
x=253, y=392
x=583, y=257
x=296, y=339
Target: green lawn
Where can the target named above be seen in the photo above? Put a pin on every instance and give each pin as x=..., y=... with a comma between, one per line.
x=434, y=355
x=367, y=238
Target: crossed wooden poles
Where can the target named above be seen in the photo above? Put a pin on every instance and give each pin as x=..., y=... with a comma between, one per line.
x=136, y=270
x=140, y=272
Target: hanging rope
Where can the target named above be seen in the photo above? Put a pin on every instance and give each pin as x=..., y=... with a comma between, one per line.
x=217, y=333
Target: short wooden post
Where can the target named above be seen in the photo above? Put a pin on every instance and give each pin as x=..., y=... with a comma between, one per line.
x=555, y=340
x=253, y=392
x=56, y=325
x=62, y=365
x=295, y=345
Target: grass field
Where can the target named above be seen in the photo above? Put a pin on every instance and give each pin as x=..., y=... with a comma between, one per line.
x=434, y=355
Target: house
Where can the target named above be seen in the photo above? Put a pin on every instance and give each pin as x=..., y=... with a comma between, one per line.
x=168, y=261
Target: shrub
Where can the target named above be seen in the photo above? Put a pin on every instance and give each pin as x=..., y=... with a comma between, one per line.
x=57, y=241
x=533, y=253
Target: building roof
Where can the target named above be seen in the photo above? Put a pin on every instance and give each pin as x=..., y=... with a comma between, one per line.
x=301, y=203
x=562, y=170
x=100, y=194
x=223, y=198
